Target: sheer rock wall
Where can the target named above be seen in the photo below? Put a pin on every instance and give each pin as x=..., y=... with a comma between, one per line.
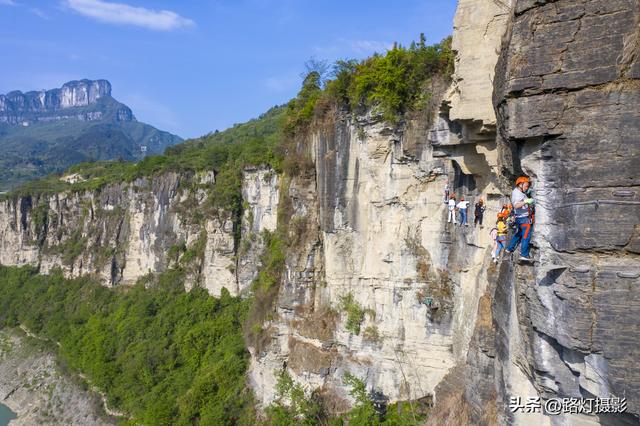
x=125, y=231
x=567, y=98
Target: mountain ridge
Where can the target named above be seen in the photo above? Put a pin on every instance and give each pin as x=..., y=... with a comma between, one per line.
x=17, y=107
x=46, y=131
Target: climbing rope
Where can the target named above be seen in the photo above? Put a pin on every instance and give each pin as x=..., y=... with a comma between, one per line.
x=586, y=203
x=395, y=352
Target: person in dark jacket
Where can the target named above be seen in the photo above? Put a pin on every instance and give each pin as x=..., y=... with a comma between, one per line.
x=479, y=212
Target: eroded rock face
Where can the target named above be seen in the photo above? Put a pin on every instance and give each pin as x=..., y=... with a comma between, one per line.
x=50, y=105
x=478, y=30
x=374, y=230
x=513, y=330
x=569, y=106
x=71, y=94
x=123, y=232
x=261, y=193
x=567, y=97
x=372, y=227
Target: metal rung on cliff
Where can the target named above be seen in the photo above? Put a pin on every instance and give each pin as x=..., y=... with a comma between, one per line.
x=549, y=268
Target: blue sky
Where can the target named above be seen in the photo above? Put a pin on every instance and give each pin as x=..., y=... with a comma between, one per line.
x=191, y=67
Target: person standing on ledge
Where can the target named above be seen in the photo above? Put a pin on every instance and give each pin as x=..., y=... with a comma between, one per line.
x=445, y=191
x=462, y=207
x=451, y=206
x=522, y=205
x=479, y=212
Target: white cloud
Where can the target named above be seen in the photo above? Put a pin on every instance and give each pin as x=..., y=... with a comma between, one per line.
x=358, y=48
x=366, y=47
x=7, y=2
x=39, y=13
x=120, y=13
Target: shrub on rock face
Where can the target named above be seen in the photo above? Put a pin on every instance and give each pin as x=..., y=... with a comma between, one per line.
x=355, y=313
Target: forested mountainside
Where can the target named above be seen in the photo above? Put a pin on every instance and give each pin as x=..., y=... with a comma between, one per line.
x=44, y=132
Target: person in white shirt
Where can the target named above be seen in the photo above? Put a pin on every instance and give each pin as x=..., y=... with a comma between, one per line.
x=462, y=207
x=523, y=205
x=452, y=210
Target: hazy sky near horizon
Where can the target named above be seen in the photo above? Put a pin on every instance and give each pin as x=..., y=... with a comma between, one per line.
x=190, y=67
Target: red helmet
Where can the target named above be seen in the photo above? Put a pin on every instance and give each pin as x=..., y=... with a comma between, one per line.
x=522, y=179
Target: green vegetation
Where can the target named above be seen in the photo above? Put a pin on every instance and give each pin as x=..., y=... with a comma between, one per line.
x=364, y=412
x=293, y=406
x=300, y=110
x=371, y=334
x=160, y=354
x=196, y=251
x=394, y=83
x=41, y=148
x=71, y=248
x=40, y=220
x=265, y=288
x=355, y=313
x=176, y=250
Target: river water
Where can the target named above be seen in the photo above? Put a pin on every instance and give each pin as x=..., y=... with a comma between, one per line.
x=6, y=415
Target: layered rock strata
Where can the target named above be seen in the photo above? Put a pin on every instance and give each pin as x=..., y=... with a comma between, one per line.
x=567, y=96
x=124, y=231
x=57, y=104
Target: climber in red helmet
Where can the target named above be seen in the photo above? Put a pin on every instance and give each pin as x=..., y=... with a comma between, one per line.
x=522, y=210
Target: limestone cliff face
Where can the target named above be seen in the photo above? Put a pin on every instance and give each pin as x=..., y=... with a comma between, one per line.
x=375, y=237
x=567, y=97
x=374, y=233
x=439, y=319
x=568, y=103
x=75, y=99
x=124, y=231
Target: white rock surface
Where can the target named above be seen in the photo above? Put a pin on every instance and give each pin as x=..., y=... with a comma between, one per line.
x=126, y=231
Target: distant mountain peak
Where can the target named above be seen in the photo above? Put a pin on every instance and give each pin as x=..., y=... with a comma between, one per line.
x=45, y=131
x=90, y=99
